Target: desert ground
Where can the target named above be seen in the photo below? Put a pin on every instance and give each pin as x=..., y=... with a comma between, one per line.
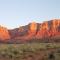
x=30, y=51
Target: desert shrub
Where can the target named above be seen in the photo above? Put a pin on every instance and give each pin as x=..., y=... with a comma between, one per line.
x=21, y=51
x=51, y=56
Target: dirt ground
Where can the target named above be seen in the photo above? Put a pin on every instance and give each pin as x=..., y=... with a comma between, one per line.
x=49, y=54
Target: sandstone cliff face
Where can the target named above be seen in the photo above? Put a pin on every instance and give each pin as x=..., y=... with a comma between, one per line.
x=55, y=23
x=4, y=34
x=54, y=27
x=44, y=26
x=33, y=28
x=39, y=30
x=43, y=30
x=47, y=29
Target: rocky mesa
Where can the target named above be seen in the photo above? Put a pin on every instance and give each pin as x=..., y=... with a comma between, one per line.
x=48, y=31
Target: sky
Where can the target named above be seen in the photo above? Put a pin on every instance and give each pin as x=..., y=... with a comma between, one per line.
x=15, y=13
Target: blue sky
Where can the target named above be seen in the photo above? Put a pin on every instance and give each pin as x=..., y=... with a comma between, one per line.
x=15, y=13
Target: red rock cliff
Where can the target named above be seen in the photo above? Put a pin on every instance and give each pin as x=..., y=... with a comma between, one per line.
x=32, y=28
x=4, y=34
x=43, y=30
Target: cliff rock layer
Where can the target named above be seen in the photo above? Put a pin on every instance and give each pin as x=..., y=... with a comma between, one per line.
x=48, y=30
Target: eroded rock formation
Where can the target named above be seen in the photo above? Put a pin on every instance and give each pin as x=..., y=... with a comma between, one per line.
x=46, y=30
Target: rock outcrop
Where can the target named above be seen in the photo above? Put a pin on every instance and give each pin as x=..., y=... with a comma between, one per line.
x=46, y=31
x=4, y=33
